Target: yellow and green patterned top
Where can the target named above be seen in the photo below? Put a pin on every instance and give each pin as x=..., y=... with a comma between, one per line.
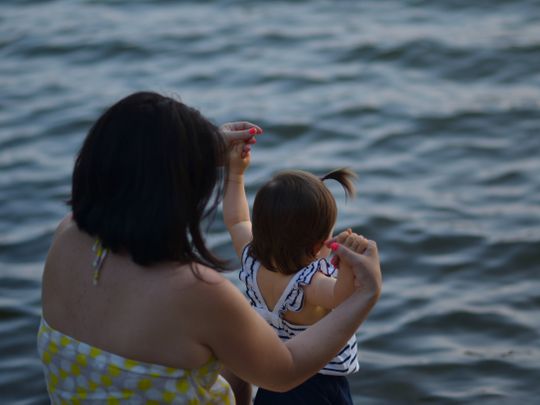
x=79, y=373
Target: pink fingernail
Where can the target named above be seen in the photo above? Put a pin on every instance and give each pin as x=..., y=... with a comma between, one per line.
x=253, y=131
x=334, y=246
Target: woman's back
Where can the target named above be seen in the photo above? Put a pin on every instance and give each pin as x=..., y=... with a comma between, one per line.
x=146, y=314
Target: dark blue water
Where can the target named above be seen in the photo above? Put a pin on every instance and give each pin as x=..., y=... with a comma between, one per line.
x=435, y=104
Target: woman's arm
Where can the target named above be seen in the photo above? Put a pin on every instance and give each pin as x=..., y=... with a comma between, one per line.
x=235, y=204
x=250, y=348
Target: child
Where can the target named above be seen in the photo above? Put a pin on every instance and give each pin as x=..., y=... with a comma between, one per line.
x=286, y=275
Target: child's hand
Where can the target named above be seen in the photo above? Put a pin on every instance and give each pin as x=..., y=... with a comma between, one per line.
x=356, y=243
x=239, y=158
x=353, y=241
x=366, y=265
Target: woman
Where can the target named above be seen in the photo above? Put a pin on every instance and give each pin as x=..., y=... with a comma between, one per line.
x=133, y=307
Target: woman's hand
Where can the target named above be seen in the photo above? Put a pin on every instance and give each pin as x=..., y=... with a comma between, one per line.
x=240, y=131
x=362, y=260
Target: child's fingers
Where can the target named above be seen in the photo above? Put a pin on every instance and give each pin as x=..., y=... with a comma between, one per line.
x=363, y=243
x=356, y=243
x=236, y=151
x=341, y=237
x=237, y=148
x=348, y=242
x=245, y=150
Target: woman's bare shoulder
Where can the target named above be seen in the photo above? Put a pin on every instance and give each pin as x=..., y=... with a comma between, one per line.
x=203, y=282
x=64, y=228
x=66, y=223
x=203, y=293
x=212, y=296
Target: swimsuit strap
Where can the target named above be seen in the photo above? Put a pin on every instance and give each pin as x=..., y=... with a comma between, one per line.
x=293, y=296
x=247, y=276
x=97, y=264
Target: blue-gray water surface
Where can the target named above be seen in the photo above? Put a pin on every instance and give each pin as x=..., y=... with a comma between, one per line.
x=435, y=104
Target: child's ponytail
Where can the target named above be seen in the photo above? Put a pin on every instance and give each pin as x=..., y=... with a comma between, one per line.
x=345, y=177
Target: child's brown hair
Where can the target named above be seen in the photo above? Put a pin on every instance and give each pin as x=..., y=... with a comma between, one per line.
x=292, y=214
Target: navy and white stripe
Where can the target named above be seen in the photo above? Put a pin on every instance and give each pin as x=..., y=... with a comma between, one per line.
x=292, y=299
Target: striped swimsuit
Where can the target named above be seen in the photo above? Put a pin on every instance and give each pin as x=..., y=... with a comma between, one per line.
x=292, y=299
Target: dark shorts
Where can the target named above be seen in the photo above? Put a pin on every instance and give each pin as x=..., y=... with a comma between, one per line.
x=318, y=390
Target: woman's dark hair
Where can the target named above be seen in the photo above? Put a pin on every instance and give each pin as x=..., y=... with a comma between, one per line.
x=292, y=213
x=145, y=178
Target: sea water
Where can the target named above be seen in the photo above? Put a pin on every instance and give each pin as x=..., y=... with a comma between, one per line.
x=435, y=104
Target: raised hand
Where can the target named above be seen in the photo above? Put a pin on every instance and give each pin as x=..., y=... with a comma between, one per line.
x=241, y=131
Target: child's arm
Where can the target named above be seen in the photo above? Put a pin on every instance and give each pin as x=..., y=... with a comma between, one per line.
x=235, y=205
x=329, y=292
